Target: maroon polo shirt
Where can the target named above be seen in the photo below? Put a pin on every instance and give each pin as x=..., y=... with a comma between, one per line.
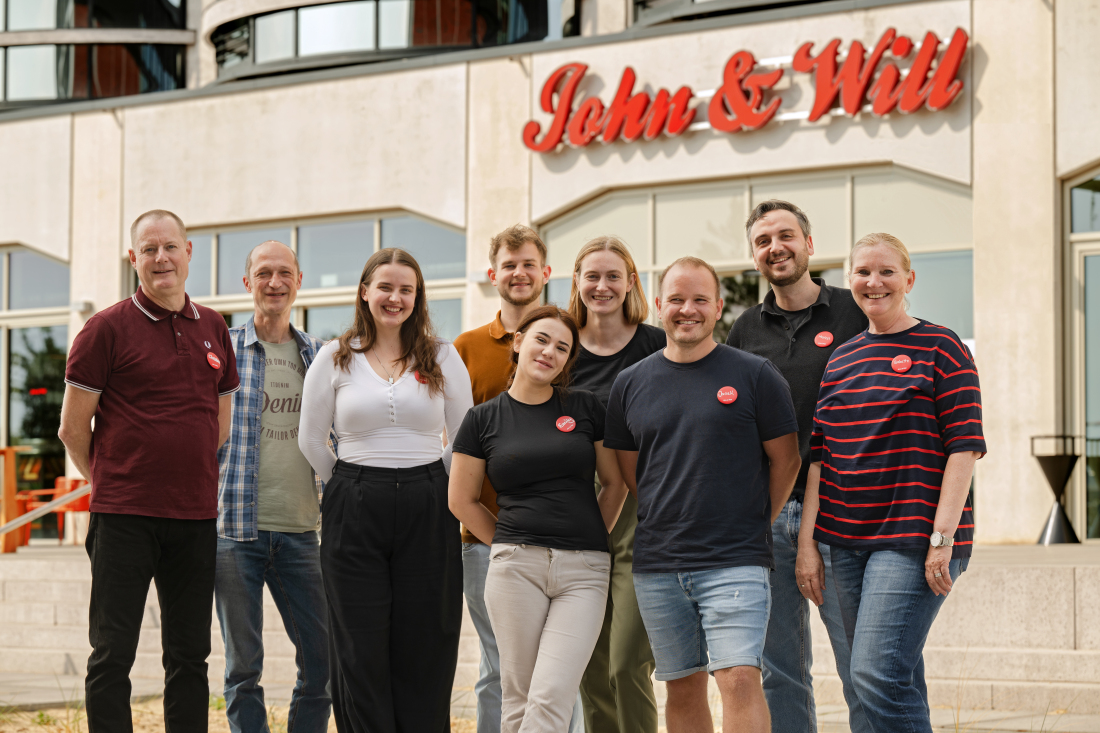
x=159, y=376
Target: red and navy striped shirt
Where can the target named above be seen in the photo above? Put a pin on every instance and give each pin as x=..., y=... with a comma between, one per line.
x=891, y=408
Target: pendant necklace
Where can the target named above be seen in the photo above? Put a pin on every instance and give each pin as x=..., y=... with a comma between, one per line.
x=379, y=360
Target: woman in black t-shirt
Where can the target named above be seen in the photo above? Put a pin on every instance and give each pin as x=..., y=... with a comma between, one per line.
x=609, y=305
x=541, y=446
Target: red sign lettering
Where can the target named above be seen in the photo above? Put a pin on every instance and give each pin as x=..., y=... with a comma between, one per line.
x=738, y=104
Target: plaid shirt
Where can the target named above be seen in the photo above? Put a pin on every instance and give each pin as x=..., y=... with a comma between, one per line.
x=238, y=459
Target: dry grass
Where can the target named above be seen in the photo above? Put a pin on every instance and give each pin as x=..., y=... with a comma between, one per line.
x=148, y=718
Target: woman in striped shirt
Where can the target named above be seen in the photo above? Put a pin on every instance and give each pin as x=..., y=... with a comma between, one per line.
x=897, y=430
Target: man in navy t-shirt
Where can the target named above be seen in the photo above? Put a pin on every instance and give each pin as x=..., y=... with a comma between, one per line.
x=706, y=436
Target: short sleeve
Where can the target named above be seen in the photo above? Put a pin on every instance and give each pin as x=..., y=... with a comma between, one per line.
x=775, y=415
x=616, y=434
x=958, y=399
x=468, y=440
x=230, y=381
x=89, y=363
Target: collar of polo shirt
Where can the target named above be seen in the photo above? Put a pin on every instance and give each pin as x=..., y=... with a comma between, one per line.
x=155, y=312
x=769, y=306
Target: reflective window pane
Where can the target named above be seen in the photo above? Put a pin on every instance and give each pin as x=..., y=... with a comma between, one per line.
x=333, y=255
x=1092, y=393
x=3, y=76
x=275, y=36
x=31, y=73
x=3, y=20
x=134, y=13
x=37, y=281
x=231, y=43
x=330, y=321
x=440, y=252
x=446, y=317
x=237, y=319
x=35, y=15
x=557, y=292
x=37, y=379
x=393, y=23
x=233, y=249
x=944, y=290
x=336, y=28
x=198, y=272
x=1084, y=202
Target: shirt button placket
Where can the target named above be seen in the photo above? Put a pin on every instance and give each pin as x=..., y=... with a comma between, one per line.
x=392, y=417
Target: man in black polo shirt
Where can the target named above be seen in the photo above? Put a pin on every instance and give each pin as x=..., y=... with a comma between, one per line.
x=156, y=372
x=796, y=328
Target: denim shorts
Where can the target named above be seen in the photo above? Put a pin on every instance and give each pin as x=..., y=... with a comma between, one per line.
x=705, y=619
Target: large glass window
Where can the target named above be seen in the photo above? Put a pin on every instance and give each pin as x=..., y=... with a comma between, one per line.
x=233, y=249
x=31, y=15
x=200, y=271
x=1092, y=394
x=37, y=281
x=36, y=15
x=1085, y=207
x=37, y=382
x=944, y=290
x=49, y=72
x=440, y=252
x=329, y=322
x=333, y=255
x=446, y=316
x=335, y=28
x=275, y=36
x=32, y=73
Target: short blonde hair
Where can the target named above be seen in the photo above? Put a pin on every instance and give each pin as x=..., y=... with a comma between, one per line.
x=156, y=214
x=512, y=239
x=887, y=240
x=691, y=262
x=634, y=306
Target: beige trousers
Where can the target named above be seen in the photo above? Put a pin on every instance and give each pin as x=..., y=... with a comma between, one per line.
x=546, y=607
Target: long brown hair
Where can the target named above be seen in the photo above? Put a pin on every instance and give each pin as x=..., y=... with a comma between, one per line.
x=557, y=314
x=635, y=308
x=418, y=340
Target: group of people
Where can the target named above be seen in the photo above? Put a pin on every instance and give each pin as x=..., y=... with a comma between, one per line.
x=634, y=501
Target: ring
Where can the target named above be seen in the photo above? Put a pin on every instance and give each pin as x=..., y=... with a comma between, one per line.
x=939, y=575
x=801, y=585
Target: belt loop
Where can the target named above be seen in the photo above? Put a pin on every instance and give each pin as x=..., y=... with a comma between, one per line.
x=359, y=473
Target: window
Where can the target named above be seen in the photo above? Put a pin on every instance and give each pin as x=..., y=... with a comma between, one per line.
x=944, y=291
x=37, y=378
x=329, y=322
x=233, y=249
x=333, y=255
x=33, y=15
x=36, y=281
x=1085, y=207
x=1092, y=393
x=440, y=252
x=36, y=15
x=44, y=73
x=388, y=26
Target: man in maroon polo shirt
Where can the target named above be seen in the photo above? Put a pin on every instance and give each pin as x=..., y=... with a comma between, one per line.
x=156, y=372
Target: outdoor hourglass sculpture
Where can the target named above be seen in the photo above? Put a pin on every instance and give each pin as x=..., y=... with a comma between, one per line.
x=1057, y=455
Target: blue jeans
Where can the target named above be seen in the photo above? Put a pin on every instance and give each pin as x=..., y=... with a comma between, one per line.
x=290, y=564
x=888, y=609
x=788, y=651
x=475, y=566
x=705, y=619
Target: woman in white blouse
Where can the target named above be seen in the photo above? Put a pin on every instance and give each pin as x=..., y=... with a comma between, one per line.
x=390, y=551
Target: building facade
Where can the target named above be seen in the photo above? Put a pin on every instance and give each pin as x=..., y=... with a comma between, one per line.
x=965, y=127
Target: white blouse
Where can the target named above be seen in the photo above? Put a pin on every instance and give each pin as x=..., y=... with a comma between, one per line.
x=377, y=423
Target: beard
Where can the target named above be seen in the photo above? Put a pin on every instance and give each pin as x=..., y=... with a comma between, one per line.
x=536, y=293
x=801, y=264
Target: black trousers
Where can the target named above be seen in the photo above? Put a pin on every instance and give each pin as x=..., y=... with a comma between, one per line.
x=127, y=551
x=391, y=560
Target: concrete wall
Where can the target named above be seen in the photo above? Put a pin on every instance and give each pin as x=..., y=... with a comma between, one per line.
x=1016, y=284
x=35, y=186
x=1077, y=84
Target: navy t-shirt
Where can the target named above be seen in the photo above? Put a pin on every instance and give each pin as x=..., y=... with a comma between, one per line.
x=542, y=466
x=702, y=477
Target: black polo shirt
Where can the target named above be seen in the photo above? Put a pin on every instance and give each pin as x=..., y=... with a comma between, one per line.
x=790, y=340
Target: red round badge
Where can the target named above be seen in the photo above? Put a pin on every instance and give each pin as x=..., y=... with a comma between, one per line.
x=823, y=339
x=566, y=424
x=422, y=380
x=213, y=360
x=727, y=395
x=901, y=363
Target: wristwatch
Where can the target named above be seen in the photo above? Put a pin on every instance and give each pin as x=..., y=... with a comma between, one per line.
x=941, y=540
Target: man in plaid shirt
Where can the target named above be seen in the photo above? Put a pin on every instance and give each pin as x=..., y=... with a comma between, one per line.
x=268, y=506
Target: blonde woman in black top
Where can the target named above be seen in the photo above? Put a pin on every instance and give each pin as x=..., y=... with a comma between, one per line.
x=609, y=305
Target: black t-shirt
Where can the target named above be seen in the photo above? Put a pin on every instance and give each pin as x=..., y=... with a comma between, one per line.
x=542, y=474
x=597, y=373
x=787, y=340
x=703, y=475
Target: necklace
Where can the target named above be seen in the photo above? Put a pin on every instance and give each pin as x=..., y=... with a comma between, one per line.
x=377, y=359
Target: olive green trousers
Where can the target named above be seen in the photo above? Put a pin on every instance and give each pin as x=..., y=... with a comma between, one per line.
x=617, y=688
